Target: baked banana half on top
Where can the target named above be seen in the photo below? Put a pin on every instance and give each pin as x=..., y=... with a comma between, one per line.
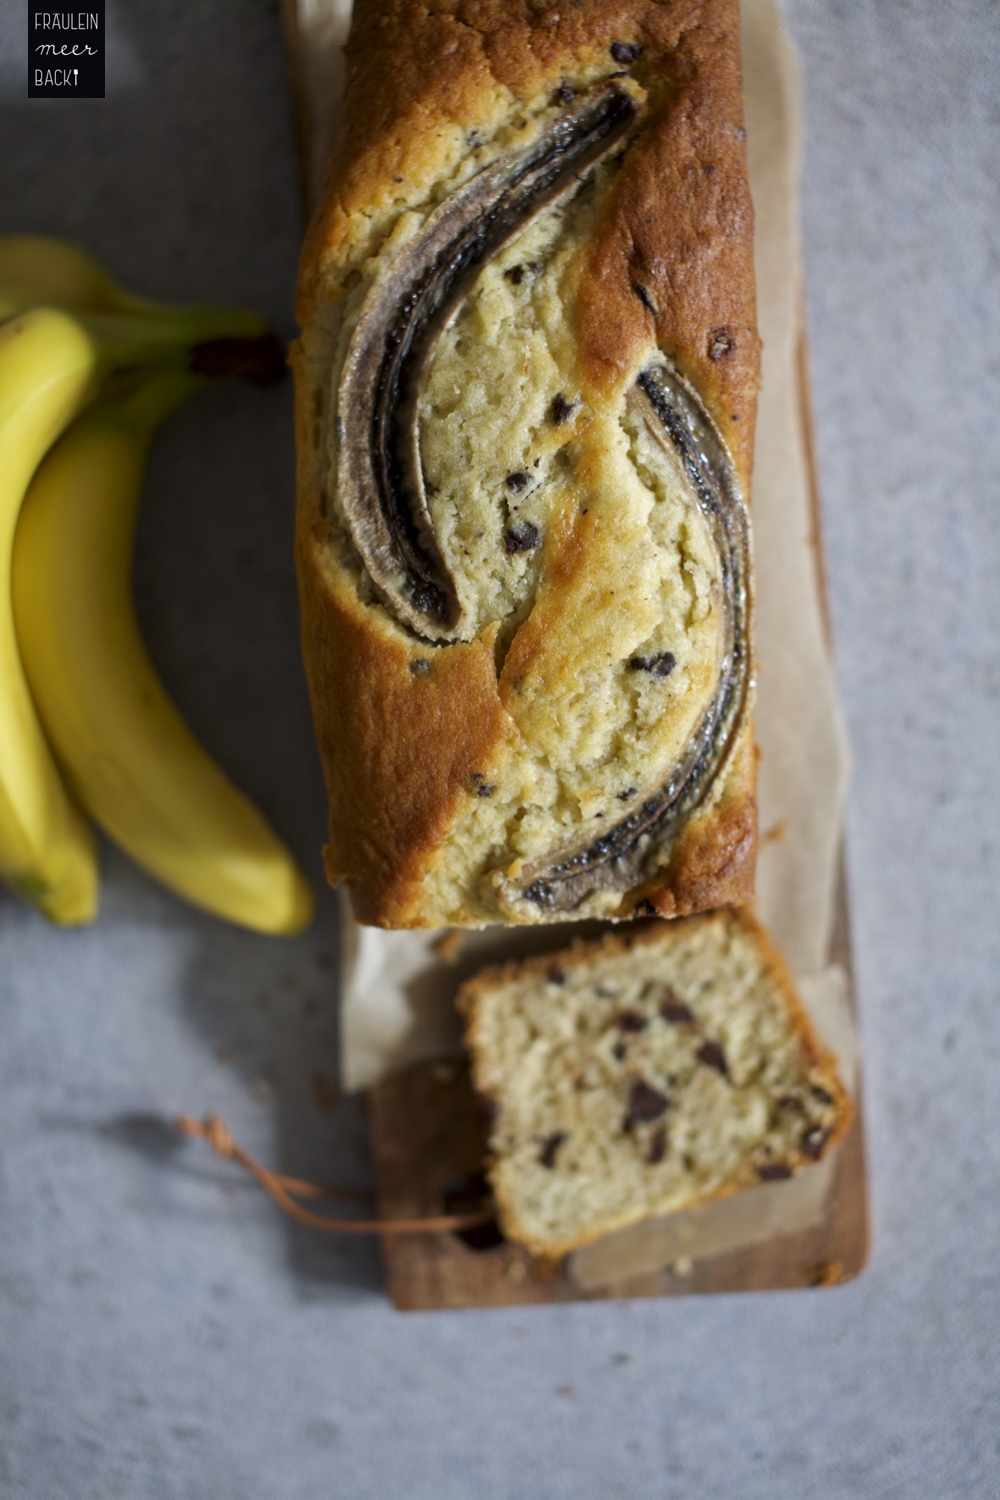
x=526, y=390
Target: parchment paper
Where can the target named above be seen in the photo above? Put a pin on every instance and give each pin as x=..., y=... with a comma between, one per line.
x=398, y=987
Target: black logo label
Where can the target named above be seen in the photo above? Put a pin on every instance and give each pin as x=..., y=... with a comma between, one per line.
x=66, y=52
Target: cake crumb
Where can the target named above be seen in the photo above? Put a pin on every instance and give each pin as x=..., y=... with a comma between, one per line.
x=825, y=1273
x=449, y=945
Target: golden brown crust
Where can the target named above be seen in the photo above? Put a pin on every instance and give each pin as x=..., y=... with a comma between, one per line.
x=817, y=1062
x=680, y=229
x=682, y=223
x=393, y=811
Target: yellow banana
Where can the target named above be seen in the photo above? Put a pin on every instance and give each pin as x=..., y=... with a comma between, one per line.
x=49, y=367
x=36, y=269
x=126, y=751
x=51, y=364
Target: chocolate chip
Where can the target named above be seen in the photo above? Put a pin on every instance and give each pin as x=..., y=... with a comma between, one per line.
x=555, y=975
x=630, y=1020
x=674, y=1010
x=547, y=1155
x=420, y=666
x=426, y=597
x=561, y=410
x=645, y=298
x=519, y=480
x=773, y=1171
x=646, y=1103
x=629, y=791
x=660, y=665
x=712, y=1055
x=564, y=94
x=625, y=52
x=721, y=341
x=657, y=1146
x=813, y=1141
x=521, y=538
x=820, y=1095
x=515, y=274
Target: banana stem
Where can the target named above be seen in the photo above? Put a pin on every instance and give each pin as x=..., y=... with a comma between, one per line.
x=149, y=396
x=242, y=341
x=259, y=361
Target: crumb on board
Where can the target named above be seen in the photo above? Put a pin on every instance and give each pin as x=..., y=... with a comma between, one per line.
x=825, y=1273
x=449, y=945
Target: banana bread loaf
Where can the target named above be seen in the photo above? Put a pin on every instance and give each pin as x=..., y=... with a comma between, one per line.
x=644, y=1073
x=526, y=390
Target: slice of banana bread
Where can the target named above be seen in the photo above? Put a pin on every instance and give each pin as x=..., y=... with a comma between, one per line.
x=646, y=1072
x=526, y=388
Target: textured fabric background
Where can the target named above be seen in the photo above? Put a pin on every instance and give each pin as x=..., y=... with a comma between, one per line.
x=164, y=1335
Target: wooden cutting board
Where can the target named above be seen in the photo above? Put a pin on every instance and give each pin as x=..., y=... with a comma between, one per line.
x=429, y=1129
x=429, y=1132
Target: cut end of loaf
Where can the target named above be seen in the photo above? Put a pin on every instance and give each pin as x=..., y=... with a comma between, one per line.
x=646, y=1073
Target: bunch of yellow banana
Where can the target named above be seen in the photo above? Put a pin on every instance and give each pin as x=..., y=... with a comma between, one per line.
x=87, y=372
